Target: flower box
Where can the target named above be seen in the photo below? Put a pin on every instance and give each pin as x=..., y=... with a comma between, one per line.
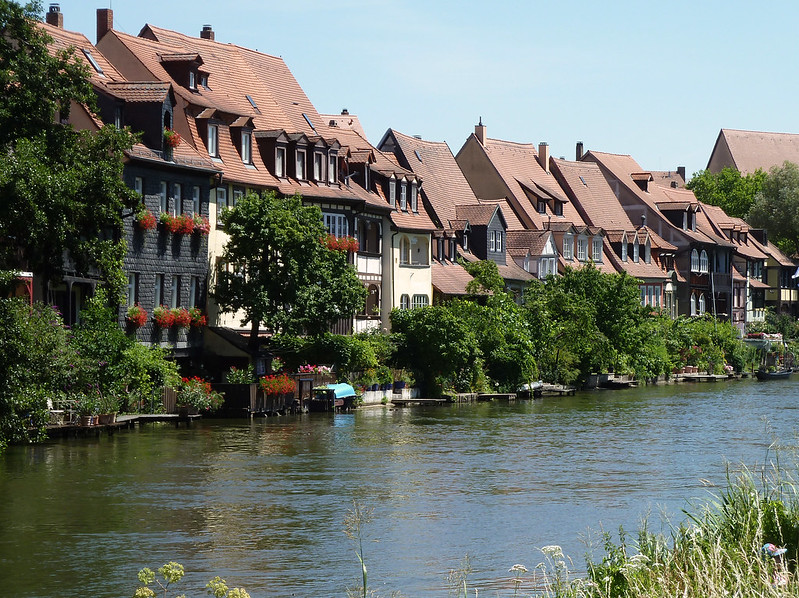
x=145, y=219
x=181, y=317
x=171, y=138
x=136, y=316
x=163, y=317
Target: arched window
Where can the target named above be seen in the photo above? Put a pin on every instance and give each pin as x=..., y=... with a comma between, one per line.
x=405, y=302
x=701, y=304
x=703, y=262
x=405, y=250
x=648, y=252
x=693, y=304
x=694, y=260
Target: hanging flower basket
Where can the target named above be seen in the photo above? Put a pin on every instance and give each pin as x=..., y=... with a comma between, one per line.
x=163, y=316
x=171, y=138
x=145, y=219
x=136, y=316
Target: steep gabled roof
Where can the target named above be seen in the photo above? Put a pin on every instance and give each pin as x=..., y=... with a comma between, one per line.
x=63, y=39
x=517, y=164
x=753, y=150
x=444, y=185
x=592, y=195
x=477, y=214
x=140, y=91
x=449, y=278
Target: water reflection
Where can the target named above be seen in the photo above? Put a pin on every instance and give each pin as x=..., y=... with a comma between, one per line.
x=262, y=502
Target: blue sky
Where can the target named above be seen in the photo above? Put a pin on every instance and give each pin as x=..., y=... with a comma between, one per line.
x=656, y=80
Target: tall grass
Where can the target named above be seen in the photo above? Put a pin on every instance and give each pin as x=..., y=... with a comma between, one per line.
x=716, y=553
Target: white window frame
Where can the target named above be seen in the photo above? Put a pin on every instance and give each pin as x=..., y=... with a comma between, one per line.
x=133, y=288
x=332, y=170
x=596, y=250
x=194, y=284
x=703, y=262
x=405, y=301
x=238, y=195
x=318, y=167
x=138, y=185
x=405, y=250
x=392, y=192
x=582, y=249
x=177, y=194
x=158, y=290
x=702, y=304
x=693, y=304
x=336, y=224
x=492, y=241
x=195, y=199
x=624, y=250
x=568, y=246
x=414, y=196
x=246, y=147
x=499, y=241
x=163, y=205
x=636, y=251
x=420, y=300
x=648, y=252
x=221, y=200
x=694, y=261
x=280, y=162
x=174, y=297
x=192, y=80
x=299, y=164
x=404, y=197
x=213, y=140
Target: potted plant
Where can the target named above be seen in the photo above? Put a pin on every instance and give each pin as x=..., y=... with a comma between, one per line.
x=171, y=138
x=384, y=377
x=136, y=316
x=87, y=408
x=163, y=316
x=201, y=224
x=240, y=376
x=195, y=395
x=108, y=406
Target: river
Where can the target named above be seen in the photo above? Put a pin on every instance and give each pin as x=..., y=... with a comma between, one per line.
x=262, y=503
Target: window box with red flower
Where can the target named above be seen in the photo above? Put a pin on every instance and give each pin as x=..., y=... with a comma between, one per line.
x=198, y=318
x=201, y=224
x=181, y=317
x=171, y=138
x=145, y=219
x=183, y=224
x=163, y=316
x=136, y=316
x=335, y=243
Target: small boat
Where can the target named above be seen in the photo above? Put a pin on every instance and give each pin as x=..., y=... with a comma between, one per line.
x=775, y=375
x=332, y=397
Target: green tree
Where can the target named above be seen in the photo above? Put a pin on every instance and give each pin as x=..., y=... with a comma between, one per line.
x=486, y=277
x=281, y=273
x=62, y=189
x=776, y=207
x=729, y=189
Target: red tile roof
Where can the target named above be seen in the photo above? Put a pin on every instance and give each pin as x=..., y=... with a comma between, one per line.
x=476, y=214
x=751, y=150
x=450, y=278
x=139, y=91
x=63, y=39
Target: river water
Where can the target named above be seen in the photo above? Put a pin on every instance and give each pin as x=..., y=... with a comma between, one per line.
x=262, y=503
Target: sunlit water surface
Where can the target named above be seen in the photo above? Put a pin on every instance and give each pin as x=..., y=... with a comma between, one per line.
x=262, y=503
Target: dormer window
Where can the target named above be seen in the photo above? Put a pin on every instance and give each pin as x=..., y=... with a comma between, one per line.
x=246, y=147
x=213, y=141
x=317, y=167
x=624, y=250
x=414, y=196
x=558, y=208
x=300, y=165
x=465, y=241
x=332, y=168
x=118, y=117
x=192, y=80
x=582, y=249
x=685, y=220
x=280, y=162
x=693, y=221
x=499, y=241
x=568, y=247
x=636, y=251
x=648, y=252
x=542, y=206
x=492, y=245
x=204, y=80
x=596, y=250
x=392, y=192
x=403, y=196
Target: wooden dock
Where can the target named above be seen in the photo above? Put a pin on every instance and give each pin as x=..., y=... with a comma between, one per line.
x=122, y=422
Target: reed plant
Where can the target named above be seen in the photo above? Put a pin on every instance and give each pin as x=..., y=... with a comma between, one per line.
x=717, y=552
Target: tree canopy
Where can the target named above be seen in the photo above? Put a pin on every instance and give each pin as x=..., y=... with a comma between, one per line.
x=729, y=189
x=62, y=189
x=776, y=207
x=279, y=272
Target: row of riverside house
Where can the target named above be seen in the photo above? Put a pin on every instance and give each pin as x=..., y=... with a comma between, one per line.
x=246, y=125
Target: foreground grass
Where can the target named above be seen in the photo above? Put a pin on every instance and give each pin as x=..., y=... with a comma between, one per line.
x=717, y=553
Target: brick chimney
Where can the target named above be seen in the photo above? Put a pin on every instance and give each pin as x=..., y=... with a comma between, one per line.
x=579, y=151
x=480, y=132
x=105, y=22
x=55, y=17
x=207, y=32
x=681, y=172
x=543, y=155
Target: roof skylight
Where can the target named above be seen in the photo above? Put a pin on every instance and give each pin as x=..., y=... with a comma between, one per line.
x=418, y=156
x=308, y=120
x=93, y=62
x=251, y=101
